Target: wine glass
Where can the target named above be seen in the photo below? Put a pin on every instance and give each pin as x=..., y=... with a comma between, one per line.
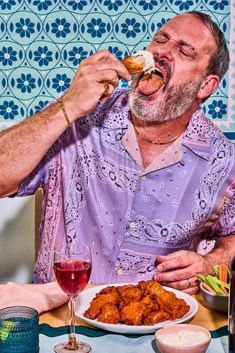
x=72, y=272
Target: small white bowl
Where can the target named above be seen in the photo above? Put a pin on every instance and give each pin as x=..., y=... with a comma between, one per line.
x=182, y=338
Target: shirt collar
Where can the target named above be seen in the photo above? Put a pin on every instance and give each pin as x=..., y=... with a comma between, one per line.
x=171, y=155
x=197, y=136
x=199, y=133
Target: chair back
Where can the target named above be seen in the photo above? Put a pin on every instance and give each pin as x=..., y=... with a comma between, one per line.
x=38, y=213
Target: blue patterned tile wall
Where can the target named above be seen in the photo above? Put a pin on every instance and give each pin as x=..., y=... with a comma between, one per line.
x=43, y=41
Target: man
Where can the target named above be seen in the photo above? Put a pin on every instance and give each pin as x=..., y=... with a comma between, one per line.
x=142, y=178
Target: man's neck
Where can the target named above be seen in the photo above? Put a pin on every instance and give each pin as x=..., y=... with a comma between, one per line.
x=153, y=138
x=160, y=133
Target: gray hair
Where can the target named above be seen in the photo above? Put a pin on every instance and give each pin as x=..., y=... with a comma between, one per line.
x=219, y=61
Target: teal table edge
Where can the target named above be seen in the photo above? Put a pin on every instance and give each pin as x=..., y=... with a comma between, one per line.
x=50, y=331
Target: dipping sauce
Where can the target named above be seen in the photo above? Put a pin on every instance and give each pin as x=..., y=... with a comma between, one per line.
x=183, y=338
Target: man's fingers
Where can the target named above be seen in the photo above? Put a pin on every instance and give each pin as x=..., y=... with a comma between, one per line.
x=172, y=255
x=184, y=284
x=108, y=90
x=190, y=286
x=108, y=75
x=192, y=290
x=104, y=60
x=179, y=261
x=175, y=275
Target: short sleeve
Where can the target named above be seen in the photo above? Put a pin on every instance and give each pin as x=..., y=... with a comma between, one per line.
x=226, y=222
x=225, y=225
x=33, y=181
x=40, y=174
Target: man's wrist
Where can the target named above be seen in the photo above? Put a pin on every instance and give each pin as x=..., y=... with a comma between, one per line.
x=65, y=112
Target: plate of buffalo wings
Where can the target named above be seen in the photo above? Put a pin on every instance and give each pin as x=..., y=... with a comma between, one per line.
x=136, y=308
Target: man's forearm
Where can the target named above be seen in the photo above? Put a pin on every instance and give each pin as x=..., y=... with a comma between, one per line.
x=23, y=146
x=42, y=297
x=223, y=252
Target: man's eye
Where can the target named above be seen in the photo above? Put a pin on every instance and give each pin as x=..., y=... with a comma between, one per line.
x=161, y=40
x=185, y=53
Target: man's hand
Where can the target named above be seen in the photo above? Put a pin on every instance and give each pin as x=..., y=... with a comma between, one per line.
x=179, y=270
x=88, y=88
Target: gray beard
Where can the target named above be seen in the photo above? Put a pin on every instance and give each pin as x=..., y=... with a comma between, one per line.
x=174, y=103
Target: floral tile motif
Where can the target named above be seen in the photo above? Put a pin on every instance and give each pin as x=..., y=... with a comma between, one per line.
x=42, y=42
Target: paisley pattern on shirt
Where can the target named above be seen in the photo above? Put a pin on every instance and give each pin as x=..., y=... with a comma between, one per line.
x=96, y=192
x=51, y=212
x=141, y=266
x=87, y=166
x=220, y=163
x=204, y=213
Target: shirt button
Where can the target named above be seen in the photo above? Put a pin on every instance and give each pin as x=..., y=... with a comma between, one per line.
x=132, y=225
x=119, y=272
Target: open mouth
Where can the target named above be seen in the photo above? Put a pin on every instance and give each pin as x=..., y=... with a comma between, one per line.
x=150, y=83
x=158, y=73
x=153, y=73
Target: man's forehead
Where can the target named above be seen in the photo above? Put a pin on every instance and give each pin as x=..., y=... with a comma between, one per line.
x=189, y=28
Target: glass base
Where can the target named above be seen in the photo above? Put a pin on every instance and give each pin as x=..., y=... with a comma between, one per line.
x=83, y=348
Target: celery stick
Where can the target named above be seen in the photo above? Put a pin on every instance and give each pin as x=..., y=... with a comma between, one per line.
x=216, y=270
x=214, y=285
x=203, y=278
x=219, y=282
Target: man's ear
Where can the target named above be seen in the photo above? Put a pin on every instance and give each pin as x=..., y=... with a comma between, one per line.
x=209, y=84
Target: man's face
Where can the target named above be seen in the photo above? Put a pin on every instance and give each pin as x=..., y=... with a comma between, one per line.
x=181, y=50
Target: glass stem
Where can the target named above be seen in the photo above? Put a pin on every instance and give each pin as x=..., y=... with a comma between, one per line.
x=72, y=328
x=72, y=340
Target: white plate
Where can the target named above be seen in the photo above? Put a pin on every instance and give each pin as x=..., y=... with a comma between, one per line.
x=85, y=298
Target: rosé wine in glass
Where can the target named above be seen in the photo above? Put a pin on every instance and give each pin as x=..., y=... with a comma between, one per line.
x=72, y=272
x=72, y=275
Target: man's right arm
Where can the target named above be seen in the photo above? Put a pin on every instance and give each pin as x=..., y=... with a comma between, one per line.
x=24, y=145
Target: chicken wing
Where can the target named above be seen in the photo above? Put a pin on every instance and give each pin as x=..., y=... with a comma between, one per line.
x=130, y=293
x=155, y=316
x=98, y=302
x=109, y=314
x=179, y=308
x=132, y=313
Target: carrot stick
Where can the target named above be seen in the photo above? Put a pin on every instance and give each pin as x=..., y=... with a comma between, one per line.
x=223, y=289
x=223, y=272
x=204, y=285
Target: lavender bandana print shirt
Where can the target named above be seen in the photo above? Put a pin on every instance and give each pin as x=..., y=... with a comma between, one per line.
x=96, y=191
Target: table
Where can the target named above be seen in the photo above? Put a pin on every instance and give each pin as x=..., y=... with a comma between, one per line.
x=54, y=325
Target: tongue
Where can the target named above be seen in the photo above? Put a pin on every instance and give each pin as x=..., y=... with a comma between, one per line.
x=150, y=84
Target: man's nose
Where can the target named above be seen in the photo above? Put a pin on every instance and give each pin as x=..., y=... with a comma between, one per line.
x=165, y=50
